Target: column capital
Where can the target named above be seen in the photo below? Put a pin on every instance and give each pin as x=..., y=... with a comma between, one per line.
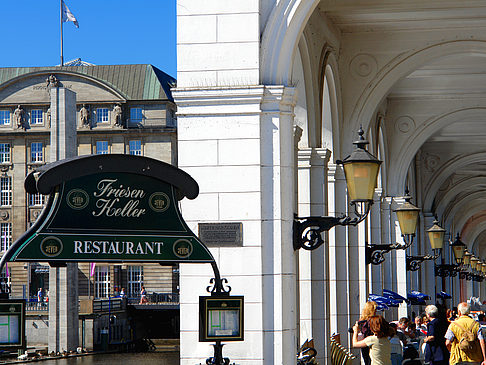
x=313, y=156
x=278, y=99
x=335, y=172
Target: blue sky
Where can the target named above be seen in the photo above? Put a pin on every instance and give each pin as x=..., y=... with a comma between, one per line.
x=110, y=32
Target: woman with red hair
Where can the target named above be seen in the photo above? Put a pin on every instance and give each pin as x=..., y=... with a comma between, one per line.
x=379, y=344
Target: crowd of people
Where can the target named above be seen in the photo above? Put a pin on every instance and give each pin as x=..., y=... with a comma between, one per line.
x=436, y=337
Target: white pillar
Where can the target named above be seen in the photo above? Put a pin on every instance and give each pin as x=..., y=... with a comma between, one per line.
x=313, y=265
x=376, y=284
x=338, y=274
x=237, y=142
x=427, y=274
x=400, y=259
x=277, y=178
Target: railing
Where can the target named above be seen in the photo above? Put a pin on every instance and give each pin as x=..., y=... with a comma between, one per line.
x=157, y=298
x=339, y=354
x=35, y=306
x=109, y=304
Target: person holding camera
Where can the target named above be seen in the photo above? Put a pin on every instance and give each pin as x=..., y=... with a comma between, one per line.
x=378, y=343
x=369, y=310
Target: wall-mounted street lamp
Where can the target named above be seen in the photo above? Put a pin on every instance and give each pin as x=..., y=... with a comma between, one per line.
x=407, y=215
x=436, y=237
x=459, y=249
x=361, y=170
x=478, y=269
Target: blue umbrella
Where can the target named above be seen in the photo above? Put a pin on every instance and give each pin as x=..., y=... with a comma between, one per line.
x=391, y=294
x=379, y=299
x=418, y=295
x=381, y=307
x=444, y=295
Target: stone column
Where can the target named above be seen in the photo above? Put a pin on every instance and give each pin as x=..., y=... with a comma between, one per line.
x=238, y=143
x=277, y=179
x=400, y=259
x=388, y=267
x=428, y=285
x=63, y=281
x=376, y=284
x=313, y=265
x=338, y=273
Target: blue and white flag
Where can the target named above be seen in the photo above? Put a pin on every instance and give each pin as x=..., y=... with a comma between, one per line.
x=67, y=16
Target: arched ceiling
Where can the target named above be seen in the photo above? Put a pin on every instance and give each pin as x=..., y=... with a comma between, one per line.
x=457, y=152
x=450, y=166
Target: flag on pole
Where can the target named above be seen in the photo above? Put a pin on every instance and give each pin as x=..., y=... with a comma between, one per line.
x=92, y=269
x=67, y=16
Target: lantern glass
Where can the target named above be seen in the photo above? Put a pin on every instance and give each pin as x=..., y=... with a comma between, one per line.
x=361, y=179
x=407, y=216
x=436, y=236
x=467, y=258
x=458, y=248
x=474, y=263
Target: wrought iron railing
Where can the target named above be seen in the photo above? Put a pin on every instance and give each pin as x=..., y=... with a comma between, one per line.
x=157, y=298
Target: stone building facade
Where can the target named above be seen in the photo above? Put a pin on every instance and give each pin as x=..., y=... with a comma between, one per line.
x=123, y=109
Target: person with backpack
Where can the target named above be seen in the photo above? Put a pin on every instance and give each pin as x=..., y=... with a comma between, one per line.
x=464, y=339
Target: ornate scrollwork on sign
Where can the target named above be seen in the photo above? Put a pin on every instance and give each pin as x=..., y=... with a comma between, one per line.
x=363, y=65
x=404, y=124
x=218, y=286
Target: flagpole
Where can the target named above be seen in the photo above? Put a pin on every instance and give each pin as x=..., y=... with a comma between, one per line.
x=62, y=58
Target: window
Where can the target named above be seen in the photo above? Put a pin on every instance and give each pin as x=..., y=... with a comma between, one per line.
x=135, y=147
x=136, y=115
x=5, y=236
x=36, y=200
x=101, y=147
x=102, y=115
x=4, y=117
x=36, y=116
x=102, y=281
x=36, y=153
x=135, y=280
x=5, y=191
x=5, y=281
x=4, y=152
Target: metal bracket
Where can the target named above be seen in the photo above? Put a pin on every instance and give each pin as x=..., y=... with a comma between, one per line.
x=307, y=231
x=375, y=252
x=445, y=270
x=414, y=262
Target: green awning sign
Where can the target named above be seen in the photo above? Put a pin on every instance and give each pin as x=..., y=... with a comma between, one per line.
x=110, y=208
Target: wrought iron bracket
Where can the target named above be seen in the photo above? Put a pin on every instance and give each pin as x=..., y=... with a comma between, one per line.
x=478, y=278
x=465, y=275
x=375, y=252
x=307, y=230
x=414, y=262
x=445, y=270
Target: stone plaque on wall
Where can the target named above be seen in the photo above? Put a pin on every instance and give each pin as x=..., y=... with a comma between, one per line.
x=221, y=234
